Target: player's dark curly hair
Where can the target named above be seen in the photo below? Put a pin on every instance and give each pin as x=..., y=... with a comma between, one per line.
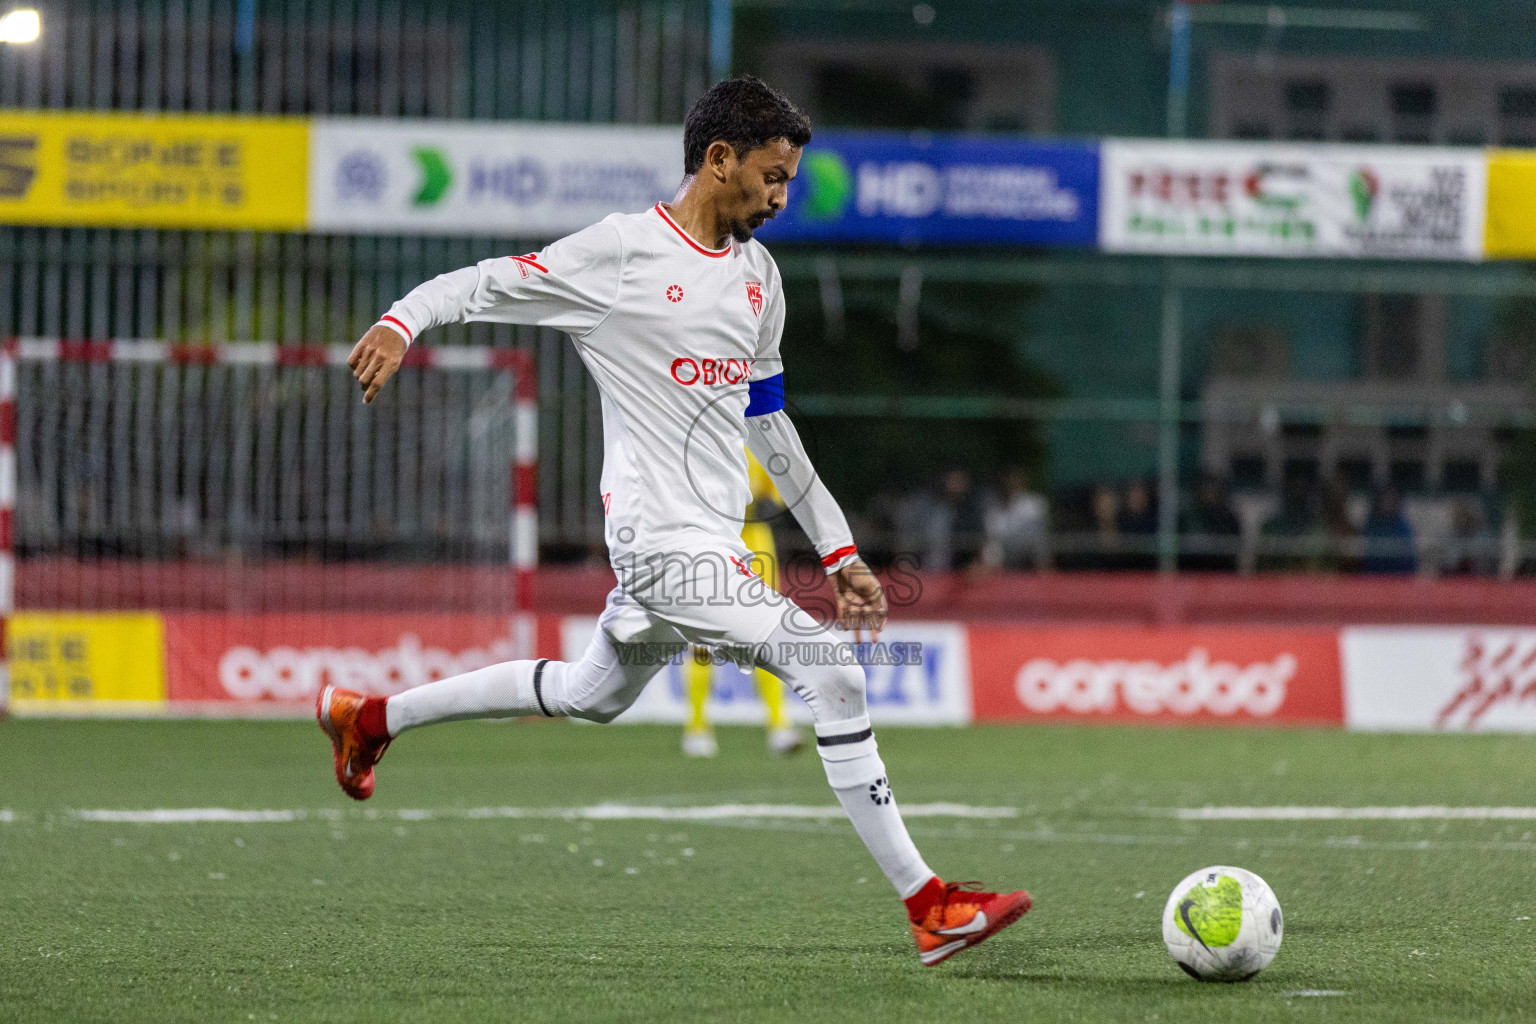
x=745, y=112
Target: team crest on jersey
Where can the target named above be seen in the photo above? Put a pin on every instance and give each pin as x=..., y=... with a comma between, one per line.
x=755, y=297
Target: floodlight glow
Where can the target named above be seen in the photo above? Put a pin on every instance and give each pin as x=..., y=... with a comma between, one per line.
x=20, y=26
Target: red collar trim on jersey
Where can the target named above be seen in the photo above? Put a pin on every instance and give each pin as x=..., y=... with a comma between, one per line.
x=713, y=253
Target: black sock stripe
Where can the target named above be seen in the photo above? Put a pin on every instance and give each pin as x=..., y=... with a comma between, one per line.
x=538, y=692
x=847, y=737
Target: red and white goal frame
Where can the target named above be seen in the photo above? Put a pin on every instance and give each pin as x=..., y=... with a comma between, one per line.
x=523, y=523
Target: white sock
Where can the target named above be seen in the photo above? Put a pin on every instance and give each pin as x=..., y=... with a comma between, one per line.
x=505, y=690
x=858, y=778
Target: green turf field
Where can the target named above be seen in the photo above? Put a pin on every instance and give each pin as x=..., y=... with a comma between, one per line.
x=372, y=915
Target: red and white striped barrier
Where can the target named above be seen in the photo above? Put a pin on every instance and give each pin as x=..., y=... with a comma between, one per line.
x=263, y=353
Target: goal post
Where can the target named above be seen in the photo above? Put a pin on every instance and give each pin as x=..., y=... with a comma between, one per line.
x=250, y=479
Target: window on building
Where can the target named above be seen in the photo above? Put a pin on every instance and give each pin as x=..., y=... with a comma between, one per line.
x=1392, y=330
x=1413, y=112
x=1307, y=103
x=1462, y=475
x=1356, y=472
x=934, y=85
x=1517, y=115
x=1440, y=102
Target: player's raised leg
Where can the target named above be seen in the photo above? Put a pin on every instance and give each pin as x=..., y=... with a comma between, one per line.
x=598, y=688
x=945, y=917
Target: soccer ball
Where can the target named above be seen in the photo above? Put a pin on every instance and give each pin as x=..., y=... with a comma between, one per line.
x=1222, y=924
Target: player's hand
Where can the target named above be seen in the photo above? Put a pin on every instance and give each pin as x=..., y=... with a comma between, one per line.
x=375, y=359
x=860, y=600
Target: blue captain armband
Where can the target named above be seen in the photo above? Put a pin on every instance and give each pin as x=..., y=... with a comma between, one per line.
x=766, y=395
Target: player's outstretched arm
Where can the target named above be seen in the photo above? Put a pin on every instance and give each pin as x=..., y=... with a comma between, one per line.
x=375, y=358
x=776, y=444
x=570, y=287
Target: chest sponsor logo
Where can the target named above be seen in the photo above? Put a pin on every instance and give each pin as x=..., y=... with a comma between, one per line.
x=755, y=297
x=688, y=371
x=675, y=293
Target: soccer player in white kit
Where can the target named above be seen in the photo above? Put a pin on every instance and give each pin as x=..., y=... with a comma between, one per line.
x=677, y=312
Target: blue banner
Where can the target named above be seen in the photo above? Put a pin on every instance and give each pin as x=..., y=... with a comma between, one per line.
x=941, y=189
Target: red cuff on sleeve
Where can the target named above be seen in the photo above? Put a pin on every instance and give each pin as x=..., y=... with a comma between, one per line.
x=837, y=556
x=409, y=336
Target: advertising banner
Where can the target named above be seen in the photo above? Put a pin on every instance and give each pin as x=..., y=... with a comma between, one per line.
x=1267, y=199
x=1212, y=675
x=140, y=170
x=1420, y=679
x=1511, y=227
x=503, y=179
x=918, y=673
x=90, y=661
x=280, y=661
x=910, y=189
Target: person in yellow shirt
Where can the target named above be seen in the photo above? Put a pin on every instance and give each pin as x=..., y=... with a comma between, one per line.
x=783, y=738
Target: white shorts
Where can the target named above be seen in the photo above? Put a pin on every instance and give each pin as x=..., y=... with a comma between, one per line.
x=706, y=591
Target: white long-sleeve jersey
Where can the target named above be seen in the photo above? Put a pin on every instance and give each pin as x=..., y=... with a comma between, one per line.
x=683, y=342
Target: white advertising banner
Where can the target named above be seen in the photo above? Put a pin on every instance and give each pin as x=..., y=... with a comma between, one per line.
x=526, y=180
x=918, y=673
x=1456, y=679
x=1279, y=199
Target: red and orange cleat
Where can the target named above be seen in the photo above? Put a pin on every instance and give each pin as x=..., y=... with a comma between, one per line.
x=344, y=715
x=949, y=917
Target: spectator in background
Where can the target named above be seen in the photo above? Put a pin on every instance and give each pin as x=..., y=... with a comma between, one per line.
x=1212, y=527
x=1104, y=507
x=1017, y=530
x=956, y=523
x=1294, y=532
x=1471, y=549
x=1388, y=537
x=1343, y=552
x=1138, y=523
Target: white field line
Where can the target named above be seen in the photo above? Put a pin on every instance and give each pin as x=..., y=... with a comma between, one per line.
x=800, y=818
x=1427, y=813
x=598, y=812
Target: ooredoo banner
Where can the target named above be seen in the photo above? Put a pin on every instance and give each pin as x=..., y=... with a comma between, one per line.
x=1419, y=679
x=1127, y=674
x=509, y=179
x=1268, y=199
x=276, y=660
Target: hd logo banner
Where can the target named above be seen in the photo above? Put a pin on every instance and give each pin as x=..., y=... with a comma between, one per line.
x=497, y=179
x=916, y=673
x=911, y=189
x=171, y=171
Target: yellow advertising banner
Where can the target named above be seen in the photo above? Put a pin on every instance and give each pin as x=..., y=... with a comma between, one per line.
x=86, y=661
x=159, y=171
x=1510, y=231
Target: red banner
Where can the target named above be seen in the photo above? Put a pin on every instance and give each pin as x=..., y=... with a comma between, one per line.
x=280, y=660
x=1213, y=675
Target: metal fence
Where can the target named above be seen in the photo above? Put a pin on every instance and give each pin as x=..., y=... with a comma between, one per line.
x=573, y=60
x=260, y=454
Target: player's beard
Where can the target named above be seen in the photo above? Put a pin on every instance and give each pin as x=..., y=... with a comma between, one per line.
x=742, y=230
